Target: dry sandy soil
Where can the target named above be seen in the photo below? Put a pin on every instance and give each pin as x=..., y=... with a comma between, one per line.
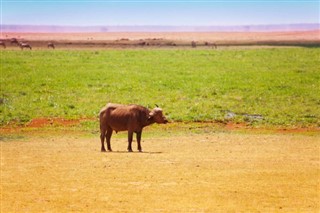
x=165, y=39
x=220, y=172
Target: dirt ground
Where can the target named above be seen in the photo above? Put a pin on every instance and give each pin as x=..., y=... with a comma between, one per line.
x=188, y=36
x=220, y=172
x=163, y=39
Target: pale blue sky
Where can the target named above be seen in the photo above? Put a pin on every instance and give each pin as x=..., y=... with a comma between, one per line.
x=158, y=12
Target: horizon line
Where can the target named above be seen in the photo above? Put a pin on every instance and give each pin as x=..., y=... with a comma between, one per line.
x=160, y=25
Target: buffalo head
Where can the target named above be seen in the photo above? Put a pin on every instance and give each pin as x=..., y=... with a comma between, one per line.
x=157, y=115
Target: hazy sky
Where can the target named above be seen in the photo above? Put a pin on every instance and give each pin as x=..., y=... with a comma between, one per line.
x=158, y=12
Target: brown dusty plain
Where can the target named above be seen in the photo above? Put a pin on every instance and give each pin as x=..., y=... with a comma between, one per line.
x=220, y=172
x=188, y=36
x=163, y=39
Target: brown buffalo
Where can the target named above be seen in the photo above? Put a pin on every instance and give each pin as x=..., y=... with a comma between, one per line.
x=3, y=44
x=50, y=44
x=131, y=118
x=14, y=41
x=193, y=44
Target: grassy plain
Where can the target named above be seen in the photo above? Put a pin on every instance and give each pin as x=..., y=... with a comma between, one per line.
x=184, y=168
x=281, y=86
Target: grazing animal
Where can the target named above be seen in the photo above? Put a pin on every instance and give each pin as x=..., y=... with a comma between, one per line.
x=14, y=41
x=2, y=44
x=25, y=45
x=50, y=44
x=193, y=44
x=142, y=43
x=213, y=45
x=131, y=118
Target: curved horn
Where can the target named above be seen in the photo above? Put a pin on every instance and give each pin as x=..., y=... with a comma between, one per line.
x=157, y=105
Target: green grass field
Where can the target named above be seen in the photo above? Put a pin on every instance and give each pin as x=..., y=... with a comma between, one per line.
x=268, y=87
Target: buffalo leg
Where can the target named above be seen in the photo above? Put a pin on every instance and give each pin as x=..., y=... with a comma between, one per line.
x=108, y=137
x=102, y=135
x=139, y=141
x=130, y=135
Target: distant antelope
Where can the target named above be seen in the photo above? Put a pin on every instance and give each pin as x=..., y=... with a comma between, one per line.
x=2, y=44
x=50, y=44
x=193, y=44
x=213, y=45
x=25, y=45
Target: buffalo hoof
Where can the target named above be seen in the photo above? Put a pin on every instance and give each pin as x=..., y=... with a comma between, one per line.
x=130, y=150
x=140, y=150
x=110, y=150
x=103, y=150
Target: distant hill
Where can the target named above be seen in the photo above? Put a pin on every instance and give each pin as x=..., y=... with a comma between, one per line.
x=243, y=28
